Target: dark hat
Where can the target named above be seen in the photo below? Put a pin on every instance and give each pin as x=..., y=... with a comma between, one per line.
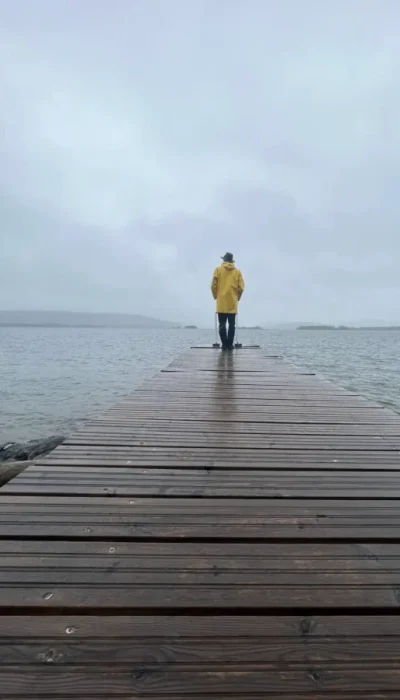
x=228, y=257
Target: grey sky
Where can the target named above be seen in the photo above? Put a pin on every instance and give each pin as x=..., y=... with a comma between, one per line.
x=141, y=139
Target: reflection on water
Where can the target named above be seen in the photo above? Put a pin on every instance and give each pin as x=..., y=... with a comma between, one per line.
x=51, y=379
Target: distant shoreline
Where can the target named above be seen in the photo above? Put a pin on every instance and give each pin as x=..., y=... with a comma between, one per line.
x=348, y=328
x=80, y=319
x=83, y=325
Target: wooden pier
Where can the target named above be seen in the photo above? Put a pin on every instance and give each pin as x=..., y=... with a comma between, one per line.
x=229, y=531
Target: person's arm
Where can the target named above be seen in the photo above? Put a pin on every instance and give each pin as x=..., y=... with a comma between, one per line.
x=240, y=285
x=214, y=284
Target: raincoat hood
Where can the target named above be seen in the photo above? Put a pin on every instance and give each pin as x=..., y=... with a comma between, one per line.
x=228, y=266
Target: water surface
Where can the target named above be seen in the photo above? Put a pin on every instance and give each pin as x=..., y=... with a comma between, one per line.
x=52, y=379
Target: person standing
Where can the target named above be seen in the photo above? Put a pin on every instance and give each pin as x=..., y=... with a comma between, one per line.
x=227, y=287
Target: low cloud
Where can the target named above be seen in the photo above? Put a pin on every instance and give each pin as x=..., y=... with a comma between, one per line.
x=141, y=141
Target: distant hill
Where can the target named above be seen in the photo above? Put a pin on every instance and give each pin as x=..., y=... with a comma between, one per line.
x=286, y=326
x=76, y=319
x=321, y=326
x=348, y=328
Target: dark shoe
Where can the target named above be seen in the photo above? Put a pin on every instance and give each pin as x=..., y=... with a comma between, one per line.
x=230, y=347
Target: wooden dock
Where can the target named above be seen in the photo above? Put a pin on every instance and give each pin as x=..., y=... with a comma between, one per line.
x=229, y=531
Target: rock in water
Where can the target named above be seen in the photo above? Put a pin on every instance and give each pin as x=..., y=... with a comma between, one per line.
x=21, y=451
x=9, y=470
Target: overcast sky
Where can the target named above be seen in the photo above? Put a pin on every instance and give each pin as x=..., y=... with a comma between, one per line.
x=142, y=139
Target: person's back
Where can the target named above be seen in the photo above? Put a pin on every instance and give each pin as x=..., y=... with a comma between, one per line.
x=227, y=287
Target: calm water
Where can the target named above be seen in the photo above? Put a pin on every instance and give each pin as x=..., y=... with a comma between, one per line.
x=53, y=379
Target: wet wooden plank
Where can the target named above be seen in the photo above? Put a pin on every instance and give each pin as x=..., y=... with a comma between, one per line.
x=261, y=563
x=149, y=426
x=258, y=392
x=249, y=402
x=204, y=380
x=98, y=481
x=239, y=528
x=218, y=683
x=125, y=453
x=178, y=507
x=275, y=417
x=233, y=417
x=207, y=519
x=262, y=405
x=174, y=576
x=201, y=657
x=166, y=595
x=240, y=445
x=316, y=463
x=204, y=539
x=130, y=449
x=155, y=645
x=208, y=627
x=166, y=655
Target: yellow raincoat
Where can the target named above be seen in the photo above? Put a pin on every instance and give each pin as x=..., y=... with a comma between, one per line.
x=227, y=287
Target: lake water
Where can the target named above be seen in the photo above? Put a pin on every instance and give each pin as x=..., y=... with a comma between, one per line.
x=53, y=379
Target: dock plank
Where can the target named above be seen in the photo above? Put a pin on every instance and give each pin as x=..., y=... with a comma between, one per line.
x=123, y=519
x=198, y=443
x=230, y=530
x=152, y=426
x=197, y=483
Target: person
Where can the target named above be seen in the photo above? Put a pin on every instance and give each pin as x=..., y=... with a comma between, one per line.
x=227, y=287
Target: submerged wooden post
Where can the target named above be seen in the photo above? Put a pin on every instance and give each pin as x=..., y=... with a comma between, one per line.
x=231, y=529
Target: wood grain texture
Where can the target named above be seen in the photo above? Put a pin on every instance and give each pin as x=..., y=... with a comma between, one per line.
x=207, y=482
x=231, y=530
